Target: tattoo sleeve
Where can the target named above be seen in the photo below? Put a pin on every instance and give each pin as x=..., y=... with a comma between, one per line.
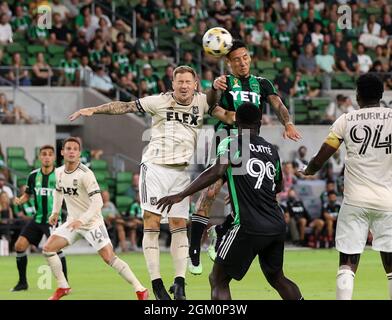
x=280, y=109
x=213, y=96
x=116, y=107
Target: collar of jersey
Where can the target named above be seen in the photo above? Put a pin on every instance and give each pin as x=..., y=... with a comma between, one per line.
x=181, y=104
x=69, y=172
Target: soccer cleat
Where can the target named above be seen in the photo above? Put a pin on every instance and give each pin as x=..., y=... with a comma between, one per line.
x=142, y=295
x=59, y=293
x=211, y=251
x=20, y=286
x=196, y=270
x=178, y=291
x=161, y=294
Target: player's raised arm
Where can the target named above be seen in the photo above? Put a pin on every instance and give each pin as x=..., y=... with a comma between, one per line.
x=222, y=114
x=284, y=117
x=112, y=108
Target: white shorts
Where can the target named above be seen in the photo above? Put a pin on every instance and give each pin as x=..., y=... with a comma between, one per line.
x=354, y=224
x=158, y=181
x=98, y=236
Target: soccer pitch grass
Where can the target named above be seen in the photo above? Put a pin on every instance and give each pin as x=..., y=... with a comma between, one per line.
x=314, y=272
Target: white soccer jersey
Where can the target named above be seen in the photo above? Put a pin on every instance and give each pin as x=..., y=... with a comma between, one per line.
x=77, y=187
x=367, y=134
x=174, y=127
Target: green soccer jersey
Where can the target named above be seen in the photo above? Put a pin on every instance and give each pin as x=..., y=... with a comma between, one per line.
x=42, y=188
x=70, y=68
x=123, y=62
x=239, y=90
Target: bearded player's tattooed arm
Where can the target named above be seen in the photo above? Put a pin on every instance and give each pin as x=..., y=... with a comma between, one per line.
x=113, y=108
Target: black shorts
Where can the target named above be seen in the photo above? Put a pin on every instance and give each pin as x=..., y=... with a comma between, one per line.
x=238, y=250
x=34, y=232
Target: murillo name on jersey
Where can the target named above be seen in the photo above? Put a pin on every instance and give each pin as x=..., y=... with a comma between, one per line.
x=370, y=116
x=246, y=96
x=182, y=117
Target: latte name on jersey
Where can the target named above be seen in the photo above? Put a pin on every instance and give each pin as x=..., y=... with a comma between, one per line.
x=246, y=96
x=44, y=191
x=183, y=117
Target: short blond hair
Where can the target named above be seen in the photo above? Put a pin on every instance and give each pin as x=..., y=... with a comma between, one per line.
x=184, y=69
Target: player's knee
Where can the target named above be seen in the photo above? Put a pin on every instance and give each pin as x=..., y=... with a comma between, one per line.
x=274, y=278
x=48, y=253
x=20, y=245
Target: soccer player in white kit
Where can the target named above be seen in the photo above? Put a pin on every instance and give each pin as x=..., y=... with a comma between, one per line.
x=77, y=185
x=367, y=203
x=176, y=118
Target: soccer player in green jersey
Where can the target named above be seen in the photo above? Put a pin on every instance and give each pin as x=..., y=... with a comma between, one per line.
x=41, y=184
x=236, y=88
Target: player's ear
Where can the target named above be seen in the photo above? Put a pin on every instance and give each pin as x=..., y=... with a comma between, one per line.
x=62, y=152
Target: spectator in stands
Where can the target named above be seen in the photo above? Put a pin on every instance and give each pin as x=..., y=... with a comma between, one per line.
x=89, y=28
x=219, y=13
x=17, y=73
x=37, y=35
x=201, y=30
x=237, y=31
x=301, y=158
x=4, y=188
x=133, y=190
x=180, y=24
x=106, y=30
x=291, y=26
x=348, y=60
x=80, y=44
x=145, y=17
x=325, y=61
x=330, y=185
x=297, y=48
x=101, y=81
x=188, y=60
x=282, y=36
x=99, y=15
x=42, y=72
x=61, y=10
x=372, y=27
x=120, y=60
x=289, y=179
x=330, y=215
x=5, y=30
x=306, y=62
x=150, y=83
x=317, y=36
x=262, y=40
x=337, y=164
x=304, y=30
x=285, y=4
x=284, y=84
x=69, y=74
x=80, y=19
x=120, y=27
x=383, y=57
x=299, y=219
x=301, y=88
x=387, y=23
x=85, y=71
x=145, y=47
x=168, y=78
x=335, y=110
x=364, y=61
x=6, y=215
x=73, y=6
x=20, y=22
x=109, y=213
x=128, y=83
x=59, y=33
x=207, y=80
x=338, y=43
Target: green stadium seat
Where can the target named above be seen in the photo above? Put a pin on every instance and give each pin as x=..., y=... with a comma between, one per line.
x=34, y=49
x=123, y=202
x=300, y=106
x=111, y=182
x=31, y=61
x=18, y=164
x=37, y=164
x=15, y=152
x=122, y=187
x=103, y=186
x=99, y=165
x=158, y=63
x=56, y=50
x=15, y=47
x=55, y=61
x=300, y=118
x=101, y=176
x=125, y=176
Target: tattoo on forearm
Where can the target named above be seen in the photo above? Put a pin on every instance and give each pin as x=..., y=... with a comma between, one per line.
x=116, y=107
x=213, y=96
x=282, y=113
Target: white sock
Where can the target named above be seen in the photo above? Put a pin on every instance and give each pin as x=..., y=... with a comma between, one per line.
x=151, y=252
x=389, y=277
x=57, y=268
x=344, y=283
x=179, y=249
x=125, y=271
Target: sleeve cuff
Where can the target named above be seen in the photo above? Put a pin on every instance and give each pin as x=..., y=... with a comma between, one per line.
x=139, y=106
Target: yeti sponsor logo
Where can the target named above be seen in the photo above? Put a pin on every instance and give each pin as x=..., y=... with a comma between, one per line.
x=246, y=96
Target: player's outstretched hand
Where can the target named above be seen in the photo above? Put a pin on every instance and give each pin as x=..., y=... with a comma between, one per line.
x=291, y=132
x=220, y=83
x=86, y=112
x=167, y=202
x=53, y=219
